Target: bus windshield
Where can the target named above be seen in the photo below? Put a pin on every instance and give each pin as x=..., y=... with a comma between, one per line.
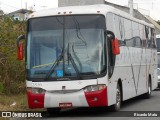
x=66, y=46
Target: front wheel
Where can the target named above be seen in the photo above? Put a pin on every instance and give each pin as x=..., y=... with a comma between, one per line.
x=117, y=105
x=148, y=94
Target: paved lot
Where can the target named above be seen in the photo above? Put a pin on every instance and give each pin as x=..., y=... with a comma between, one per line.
x=151, y=105
x=137, y=105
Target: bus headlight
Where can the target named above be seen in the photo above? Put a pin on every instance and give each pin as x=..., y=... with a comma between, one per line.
x=93, y=88
x=36, y=90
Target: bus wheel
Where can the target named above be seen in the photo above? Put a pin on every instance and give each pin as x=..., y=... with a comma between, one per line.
x=117, y=105
x=53, y=110
x=148, y=94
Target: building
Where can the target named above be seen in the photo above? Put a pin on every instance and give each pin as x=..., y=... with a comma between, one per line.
x=136, y=13
x=20, y=15
x=62, y=3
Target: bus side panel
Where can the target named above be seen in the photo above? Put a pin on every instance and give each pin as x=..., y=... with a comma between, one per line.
x=154, y=70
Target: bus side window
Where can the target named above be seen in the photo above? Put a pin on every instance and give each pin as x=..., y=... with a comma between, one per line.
x=119, y=27
x=148, y=36
x=128, y=33
x=142, y=35
x=153, y=38
x=136, y=34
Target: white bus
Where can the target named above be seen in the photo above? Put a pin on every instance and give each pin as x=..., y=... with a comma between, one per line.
x=87, y=56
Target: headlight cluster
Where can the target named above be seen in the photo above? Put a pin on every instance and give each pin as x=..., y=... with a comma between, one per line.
x=94, y=88
x=36, y=90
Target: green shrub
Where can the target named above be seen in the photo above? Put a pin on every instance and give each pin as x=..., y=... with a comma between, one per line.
x=12, y=71
x=1, y=87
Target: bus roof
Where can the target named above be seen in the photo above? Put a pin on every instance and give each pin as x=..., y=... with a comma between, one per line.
x=86, y=9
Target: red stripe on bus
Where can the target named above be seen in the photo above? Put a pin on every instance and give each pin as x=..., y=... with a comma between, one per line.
x=97, y=98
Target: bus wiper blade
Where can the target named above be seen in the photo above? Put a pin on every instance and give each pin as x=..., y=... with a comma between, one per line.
x=74, y=65
x=53, y=67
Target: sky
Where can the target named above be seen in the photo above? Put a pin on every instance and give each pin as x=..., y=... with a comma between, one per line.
x=148, y=7
x=12, y=5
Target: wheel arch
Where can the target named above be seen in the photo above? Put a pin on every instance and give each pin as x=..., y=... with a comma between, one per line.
x=121, y=87
x=150, y=80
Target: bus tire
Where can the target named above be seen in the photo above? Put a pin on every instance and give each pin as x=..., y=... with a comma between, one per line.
x=148, y=94
x=116, y=107
x=53, y=110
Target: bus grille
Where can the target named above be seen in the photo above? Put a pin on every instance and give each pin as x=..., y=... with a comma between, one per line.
x=63, y=91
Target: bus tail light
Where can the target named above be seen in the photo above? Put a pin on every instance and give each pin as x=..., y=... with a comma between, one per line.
x=93, y=88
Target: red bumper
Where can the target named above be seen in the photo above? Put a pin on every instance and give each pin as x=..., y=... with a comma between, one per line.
x=35, y=100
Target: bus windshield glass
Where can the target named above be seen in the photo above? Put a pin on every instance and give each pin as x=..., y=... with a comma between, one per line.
x=66, y=46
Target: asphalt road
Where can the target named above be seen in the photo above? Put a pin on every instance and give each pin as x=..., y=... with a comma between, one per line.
x=138, y=105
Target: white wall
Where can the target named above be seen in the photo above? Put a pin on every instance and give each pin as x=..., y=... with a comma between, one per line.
x=62, y=3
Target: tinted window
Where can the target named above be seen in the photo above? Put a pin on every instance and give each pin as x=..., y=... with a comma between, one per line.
x=136, y=35
x=153, y=38
x=148, y=37
x=119, y=27
x=158, y=60
x=78, y=40
x=158, y=44
x=142, y=34
x=128, y=33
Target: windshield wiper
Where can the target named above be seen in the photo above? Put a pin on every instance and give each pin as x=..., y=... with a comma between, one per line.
x=73, y=63
x=60, y=57
x=53, y=66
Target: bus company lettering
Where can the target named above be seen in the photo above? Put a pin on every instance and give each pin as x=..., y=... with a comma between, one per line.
x=37, y=84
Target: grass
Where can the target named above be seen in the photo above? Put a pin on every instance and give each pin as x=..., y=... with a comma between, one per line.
x=6, y=104
x=20, y=101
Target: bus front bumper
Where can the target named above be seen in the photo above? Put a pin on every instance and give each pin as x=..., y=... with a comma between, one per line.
x=75, y=99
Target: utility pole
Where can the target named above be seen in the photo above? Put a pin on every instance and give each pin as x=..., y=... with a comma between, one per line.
x=26, y=5
x=0, y=4
x=21, y=4
x=131, y=7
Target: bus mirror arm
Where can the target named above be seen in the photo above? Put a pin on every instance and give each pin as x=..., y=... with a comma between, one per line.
x=110, y=34
x=20, y=47
x=114, y=42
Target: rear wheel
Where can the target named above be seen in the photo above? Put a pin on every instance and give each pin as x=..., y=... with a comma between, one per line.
x=117, y=105
x=148, y=94
x=53, y=110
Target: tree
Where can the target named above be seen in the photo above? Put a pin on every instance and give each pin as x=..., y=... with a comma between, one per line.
x=11, y=70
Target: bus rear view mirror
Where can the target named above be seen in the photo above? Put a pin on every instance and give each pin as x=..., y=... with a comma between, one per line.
x=20, y=47
x=115, y=46
x=20, y=51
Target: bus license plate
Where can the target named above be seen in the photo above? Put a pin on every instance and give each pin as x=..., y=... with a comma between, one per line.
x=65, y=105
